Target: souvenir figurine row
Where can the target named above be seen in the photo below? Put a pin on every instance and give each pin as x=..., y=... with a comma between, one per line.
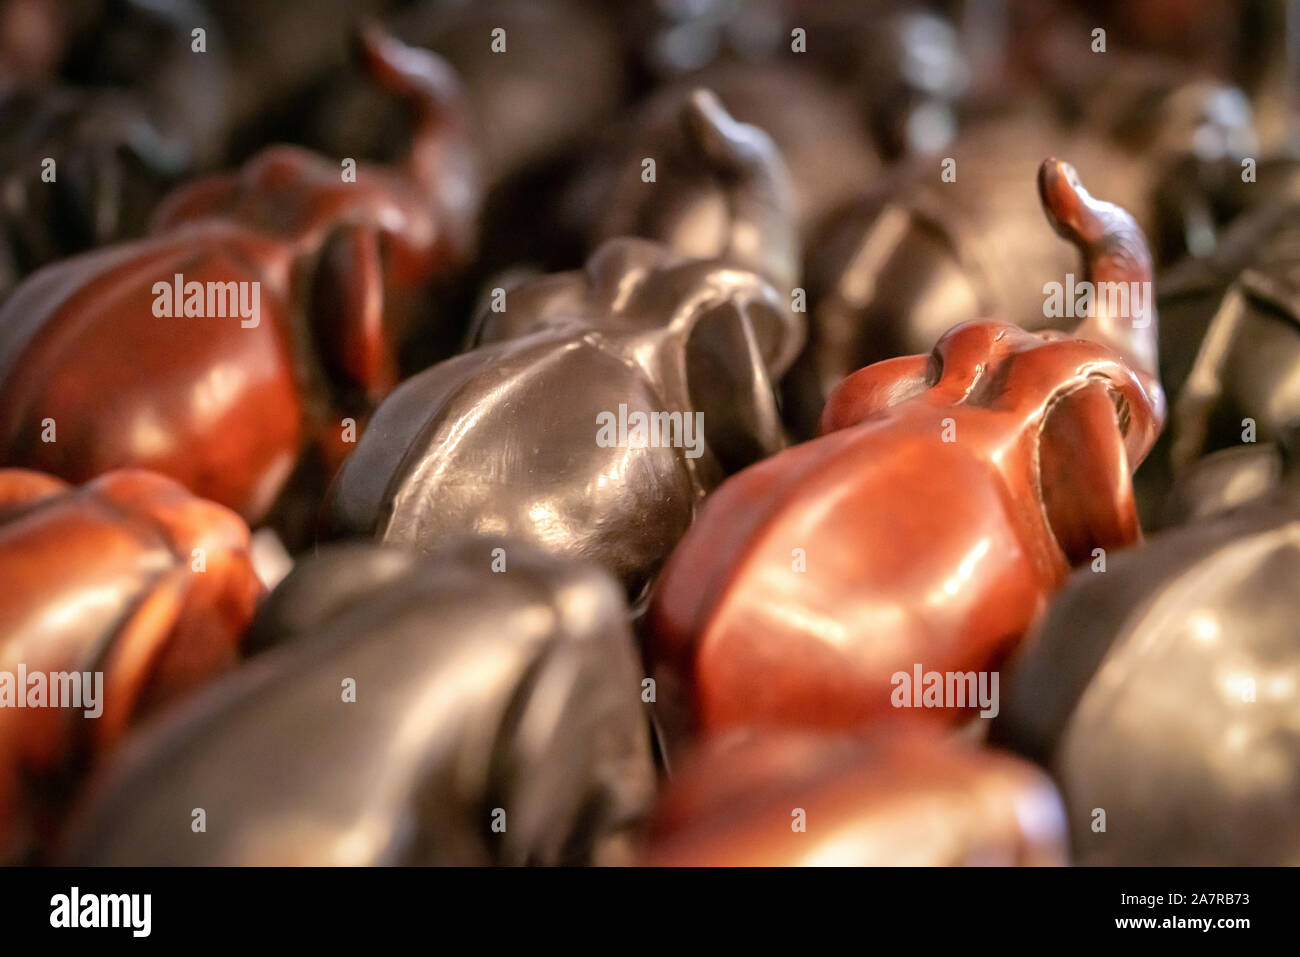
x=554, y=432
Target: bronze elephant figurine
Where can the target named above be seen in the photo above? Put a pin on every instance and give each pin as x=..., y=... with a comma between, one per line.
x=1160, y=694
x=600, y=405
x=1243, y=384
x=481, y=705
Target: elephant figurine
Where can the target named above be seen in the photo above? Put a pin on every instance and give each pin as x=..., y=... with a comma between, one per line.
x=1227, y=339
x=909, y=66
x=813, y=125
x=1243, y=308
x=1160, y=694
x=103, y=107
x=123, y=595
x=945, y=500
x=482, y=705
x=261, y=316
x=791, y=798
x=599, y=405
x=1226, y=479
x=537, y=74
x=902, y=64
x=947, y=239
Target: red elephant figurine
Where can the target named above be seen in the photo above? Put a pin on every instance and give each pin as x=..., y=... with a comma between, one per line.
x=921, y=532
x=265, y=309
x=125, y=594
x=799, y=798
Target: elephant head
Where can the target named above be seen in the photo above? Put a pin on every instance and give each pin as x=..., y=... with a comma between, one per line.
x=511, y=437
x=720, y=184
x=537, y=75
x=326, y=272
x=480, y=706
x=930, y=247
x=364, y=240
x=946, y=498
x=948, y=239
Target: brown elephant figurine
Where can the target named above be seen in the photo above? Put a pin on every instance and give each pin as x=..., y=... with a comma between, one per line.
x=778, y=799
x=125, y=594
x=104, y=106
x=946, y=498
x=265, y=310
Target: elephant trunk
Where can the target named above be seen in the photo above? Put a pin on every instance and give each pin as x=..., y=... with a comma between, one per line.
x=757, y=187
x=430, y=86
x=1117, y=264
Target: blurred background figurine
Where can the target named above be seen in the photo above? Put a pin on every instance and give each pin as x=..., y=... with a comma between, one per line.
x=748, y=305
x=772, y=799
x=329, y=264
x=103, y=105
x=128, y=588
x=1162, y=692
x=480, y=705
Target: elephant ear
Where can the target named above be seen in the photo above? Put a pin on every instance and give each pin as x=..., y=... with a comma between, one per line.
x=780, y=333
x=875, y=388
x=346, y=313
x=729, y=385
x=1083, y=471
